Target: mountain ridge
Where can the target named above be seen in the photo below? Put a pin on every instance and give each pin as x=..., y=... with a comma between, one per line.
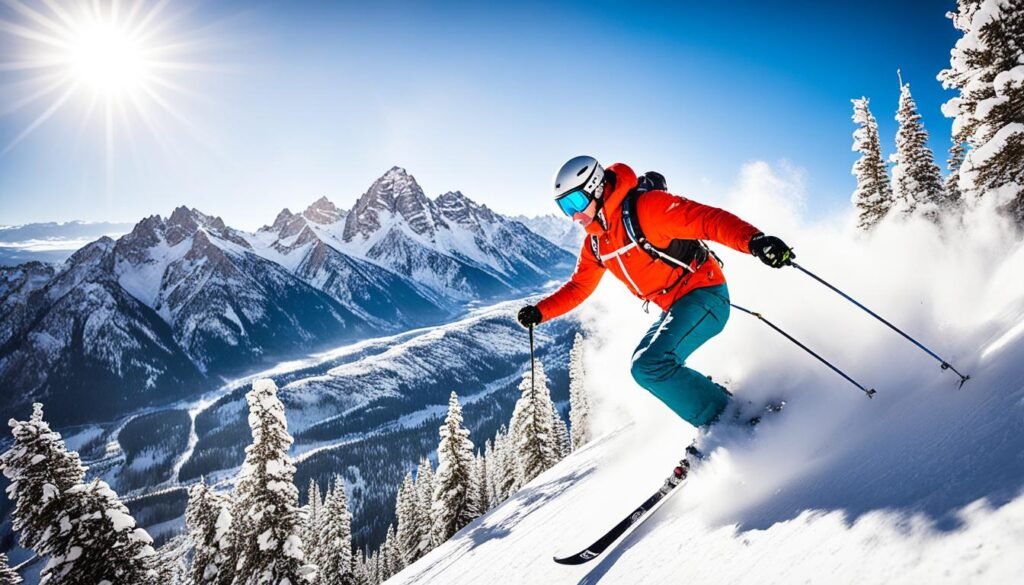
x=226, y=300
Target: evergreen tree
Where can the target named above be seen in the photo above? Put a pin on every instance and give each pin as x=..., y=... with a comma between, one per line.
x=505, y=469
x=482, y=481
x=334, y=554
x=917, y=181
x=208, y=520
x=360, y=569
x=425, y=506
x=492, y=458
x=99, y=541
x=987, y=70
x=376, y=573
x=312, y=513
x=454, y=500
x=8, y=576
x=83, y=528
x=479, y=496
x=266, y=522
x=953, y=164
x=533, y=441
x=40, y=470
x=562, y=443
x=409, y=522
x=873, y=196
x=389, y=555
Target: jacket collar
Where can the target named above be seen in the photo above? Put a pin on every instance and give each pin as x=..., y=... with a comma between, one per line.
x=625, y=181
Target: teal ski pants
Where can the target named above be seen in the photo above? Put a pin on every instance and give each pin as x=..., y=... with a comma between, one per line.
x=659, y=362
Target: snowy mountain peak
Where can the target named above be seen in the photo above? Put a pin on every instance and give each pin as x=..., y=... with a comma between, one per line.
x=280, y=221
x=323, y=212
x=458, y=208
x=92, y=253
x=286, y=225
x=394, y=195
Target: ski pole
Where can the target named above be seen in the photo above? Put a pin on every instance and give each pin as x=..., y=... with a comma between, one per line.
x=945, y=365
x=870, y=392
x=533, y=367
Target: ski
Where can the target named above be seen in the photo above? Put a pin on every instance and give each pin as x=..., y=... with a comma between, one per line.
x=671, y=484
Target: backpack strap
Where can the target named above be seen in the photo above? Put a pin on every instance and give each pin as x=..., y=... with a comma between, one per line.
x=631, y=221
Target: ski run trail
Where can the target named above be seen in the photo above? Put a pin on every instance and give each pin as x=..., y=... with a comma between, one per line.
x=921, y=484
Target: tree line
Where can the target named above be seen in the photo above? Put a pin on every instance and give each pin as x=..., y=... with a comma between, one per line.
x=986, y=158
x=258, y=534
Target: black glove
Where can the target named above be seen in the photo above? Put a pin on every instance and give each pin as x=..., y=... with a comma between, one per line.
x=529, y=316
x=771, y=250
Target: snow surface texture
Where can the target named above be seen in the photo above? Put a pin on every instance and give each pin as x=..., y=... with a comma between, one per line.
x=922, y=484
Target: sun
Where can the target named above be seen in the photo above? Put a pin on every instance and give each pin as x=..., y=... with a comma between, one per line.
x=108, y=58
x=120, y=66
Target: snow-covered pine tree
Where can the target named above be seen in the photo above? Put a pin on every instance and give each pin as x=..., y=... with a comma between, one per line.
x=483, y=487
x=334, y=554
x=479, y=495
x=376, y=575
x=311, y=513
x=359, y=569
x=579, y=401
x=454, y=500
x=208, y=520
x=953, y=164
x=83, y=528
x=917, y=181
x=562, y=443
x=987, y=69
x=266, y=523
x=390, y=559
x=407, y=516
x=505, y=469
x=873, y=196
x=425, y=506
x=491, y=457
x=40, y=469
x=531, y=436
x=99, y=541
x=8, y=576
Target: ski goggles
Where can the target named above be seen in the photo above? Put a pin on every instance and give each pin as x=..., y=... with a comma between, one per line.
x=574, y=202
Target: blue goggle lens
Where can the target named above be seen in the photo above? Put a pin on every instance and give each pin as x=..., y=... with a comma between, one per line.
x=573, y=202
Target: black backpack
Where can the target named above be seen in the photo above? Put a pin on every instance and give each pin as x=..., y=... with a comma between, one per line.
x=687, y=254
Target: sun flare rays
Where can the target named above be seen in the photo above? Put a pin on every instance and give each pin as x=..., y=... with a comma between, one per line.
x=119, y=65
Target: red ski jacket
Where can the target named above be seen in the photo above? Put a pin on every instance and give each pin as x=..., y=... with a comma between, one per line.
x=663, y=217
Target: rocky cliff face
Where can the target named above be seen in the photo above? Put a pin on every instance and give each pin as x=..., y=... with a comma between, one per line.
x=88, y=348
x=394, y=196
x=451, y=244
x=307, y=244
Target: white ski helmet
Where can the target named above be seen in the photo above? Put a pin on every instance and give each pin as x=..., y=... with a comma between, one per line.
x=577, y=183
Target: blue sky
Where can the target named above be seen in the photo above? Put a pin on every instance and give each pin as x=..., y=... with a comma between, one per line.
x=294, y=100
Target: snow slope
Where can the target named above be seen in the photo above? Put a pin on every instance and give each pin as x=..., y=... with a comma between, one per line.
x=922, y=484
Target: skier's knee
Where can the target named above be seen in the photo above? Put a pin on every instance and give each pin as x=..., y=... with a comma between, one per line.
x=646, y=368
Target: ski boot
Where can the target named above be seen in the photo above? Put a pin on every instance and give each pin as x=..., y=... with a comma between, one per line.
x=681, y=471
x=678, y=475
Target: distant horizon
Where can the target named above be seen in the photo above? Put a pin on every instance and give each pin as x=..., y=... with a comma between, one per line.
x=296, y=209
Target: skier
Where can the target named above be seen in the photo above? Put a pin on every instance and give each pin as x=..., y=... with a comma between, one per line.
x=650, y=240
